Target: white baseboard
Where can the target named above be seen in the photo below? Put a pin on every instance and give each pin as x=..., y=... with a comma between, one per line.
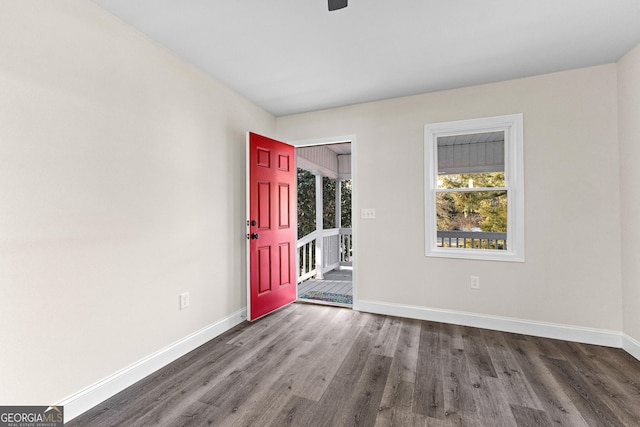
x=86, y=399
x=631, y=346
x=497, y=323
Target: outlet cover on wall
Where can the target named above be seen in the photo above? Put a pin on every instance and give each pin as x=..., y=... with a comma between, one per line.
x=184, y=300
x=368, y=213
x=475, y=282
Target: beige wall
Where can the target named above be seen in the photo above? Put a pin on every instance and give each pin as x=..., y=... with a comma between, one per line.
x=121, y=185
x=572, y=271
x=629, y=112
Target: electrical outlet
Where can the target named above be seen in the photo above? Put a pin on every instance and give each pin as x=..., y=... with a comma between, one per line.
x=475, y=282
x=368, y=213
x=184, y=300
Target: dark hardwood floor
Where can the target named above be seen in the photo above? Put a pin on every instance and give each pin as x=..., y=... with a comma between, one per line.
x=337, y=367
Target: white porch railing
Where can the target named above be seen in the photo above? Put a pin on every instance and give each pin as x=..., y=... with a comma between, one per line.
x=306, y=256
x=472, y=239
x=346, y=246
x=337, y=249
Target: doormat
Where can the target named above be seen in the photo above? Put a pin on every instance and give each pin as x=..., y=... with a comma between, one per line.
x=327, y=296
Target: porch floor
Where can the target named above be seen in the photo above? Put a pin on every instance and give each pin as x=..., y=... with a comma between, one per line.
x=338, y=282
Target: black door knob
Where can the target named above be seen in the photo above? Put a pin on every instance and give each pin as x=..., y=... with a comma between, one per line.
x=253, y=222
x=254, y=236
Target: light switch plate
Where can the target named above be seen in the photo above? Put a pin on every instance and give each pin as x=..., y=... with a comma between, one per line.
x=368, y=213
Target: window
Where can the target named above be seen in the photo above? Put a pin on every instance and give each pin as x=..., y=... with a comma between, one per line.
x=475, y=189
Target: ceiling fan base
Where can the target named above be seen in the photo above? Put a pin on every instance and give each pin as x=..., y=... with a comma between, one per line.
x=337, y=4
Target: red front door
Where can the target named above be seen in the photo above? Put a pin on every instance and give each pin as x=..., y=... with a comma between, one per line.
x=272, y=225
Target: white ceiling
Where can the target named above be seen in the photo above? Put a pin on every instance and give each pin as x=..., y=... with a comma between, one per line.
x=291, y=56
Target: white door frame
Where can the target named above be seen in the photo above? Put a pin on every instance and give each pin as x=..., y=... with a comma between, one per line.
x=354, y=200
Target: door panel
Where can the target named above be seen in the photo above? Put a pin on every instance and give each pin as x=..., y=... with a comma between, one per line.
x=285, y=260
x=264, y=270
x=283, y=206
x=264, y=206
x=272, y=225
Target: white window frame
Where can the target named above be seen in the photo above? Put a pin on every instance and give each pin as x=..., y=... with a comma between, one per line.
x=512, y=125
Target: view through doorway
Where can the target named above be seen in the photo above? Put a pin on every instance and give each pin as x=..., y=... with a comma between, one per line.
x=325, y=233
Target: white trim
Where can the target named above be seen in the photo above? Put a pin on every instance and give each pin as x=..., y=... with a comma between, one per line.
x=631, y=346
x=97, y=393
x=247, y=255
x=355, y=205
x=512, y=126
x=505, y=324
x=324, y=141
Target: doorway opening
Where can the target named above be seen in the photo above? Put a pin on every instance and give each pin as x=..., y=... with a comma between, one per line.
x=325, y=233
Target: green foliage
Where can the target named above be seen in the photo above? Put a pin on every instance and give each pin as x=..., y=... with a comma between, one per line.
x=347, y=190
x=307, y=203
x=328, y=203
x=445, y=211
x=493, y=210
x=466, y=210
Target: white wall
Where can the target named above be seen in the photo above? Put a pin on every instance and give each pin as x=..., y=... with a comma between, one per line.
x=121, y=185
x=572, y=271
x=629, y=113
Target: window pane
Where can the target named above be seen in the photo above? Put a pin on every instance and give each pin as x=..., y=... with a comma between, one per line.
x=472, y=180
x=474, y=219
x=471, y=153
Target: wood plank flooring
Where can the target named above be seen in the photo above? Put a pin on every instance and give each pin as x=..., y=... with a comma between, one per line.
x=338, y=367
x=343, y=287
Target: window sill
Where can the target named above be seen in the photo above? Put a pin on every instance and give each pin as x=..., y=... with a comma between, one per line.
x=475, y=254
